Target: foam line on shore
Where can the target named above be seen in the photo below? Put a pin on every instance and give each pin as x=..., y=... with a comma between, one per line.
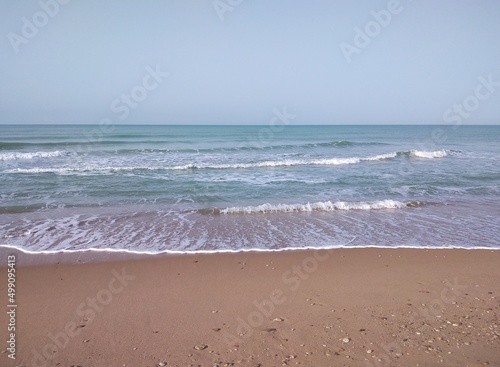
x=320, y=206
x=252, y=250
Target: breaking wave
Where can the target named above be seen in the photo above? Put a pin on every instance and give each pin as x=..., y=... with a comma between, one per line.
x=192, y=166
x=325, y=206
x=32, y=155
x=427, y=154
x=262, y=164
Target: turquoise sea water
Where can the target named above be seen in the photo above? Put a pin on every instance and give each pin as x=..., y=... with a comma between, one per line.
x=204, y=188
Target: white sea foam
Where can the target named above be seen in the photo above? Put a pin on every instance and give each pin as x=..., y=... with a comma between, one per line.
x=31, y=155
x=262, y=164
x=152, y=252
x=318, y=206
x=380, y=157
x=428, y=154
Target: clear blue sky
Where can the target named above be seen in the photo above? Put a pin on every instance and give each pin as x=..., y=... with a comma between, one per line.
x=233, y=64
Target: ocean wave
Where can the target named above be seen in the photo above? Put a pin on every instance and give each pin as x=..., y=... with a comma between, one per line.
x=262, y=164
x=270, y=164
x=69, y=143
x=380, y=157
x=427, y=154
x=192, y=166
x=243, y=147
x=250, y=145
x=31, y=155
x=325, y=206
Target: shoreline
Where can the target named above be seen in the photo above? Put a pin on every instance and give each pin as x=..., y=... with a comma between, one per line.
x=34, y=258
x=351, y=307
x=153, y=229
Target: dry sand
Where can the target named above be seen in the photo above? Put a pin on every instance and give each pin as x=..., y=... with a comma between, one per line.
x=345, y=307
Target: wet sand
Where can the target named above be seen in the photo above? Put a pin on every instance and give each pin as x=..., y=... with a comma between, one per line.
x=344, y=307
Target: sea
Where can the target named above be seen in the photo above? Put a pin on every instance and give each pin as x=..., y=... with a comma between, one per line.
x=168, y=188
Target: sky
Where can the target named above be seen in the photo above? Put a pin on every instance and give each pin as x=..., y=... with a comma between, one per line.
x=235, y=61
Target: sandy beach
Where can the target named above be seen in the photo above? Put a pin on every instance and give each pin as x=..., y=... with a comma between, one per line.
x=343, y=307
x=231, y=183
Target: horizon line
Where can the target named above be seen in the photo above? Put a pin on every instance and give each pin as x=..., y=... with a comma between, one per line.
x=317, y=124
